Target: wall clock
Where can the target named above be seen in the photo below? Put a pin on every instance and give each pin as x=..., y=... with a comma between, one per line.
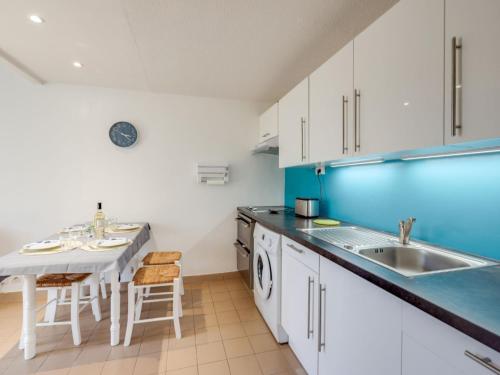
x=123, y=134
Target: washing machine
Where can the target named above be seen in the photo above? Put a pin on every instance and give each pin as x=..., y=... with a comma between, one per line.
x=267, y=279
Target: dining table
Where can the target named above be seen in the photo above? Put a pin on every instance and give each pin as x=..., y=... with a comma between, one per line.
x=112, y=262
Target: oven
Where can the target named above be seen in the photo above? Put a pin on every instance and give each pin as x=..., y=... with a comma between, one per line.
x=244, y=247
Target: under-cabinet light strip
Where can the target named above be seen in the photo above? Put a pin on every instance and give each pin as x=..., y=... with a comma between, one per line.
x=359, y=162
x=452, y=154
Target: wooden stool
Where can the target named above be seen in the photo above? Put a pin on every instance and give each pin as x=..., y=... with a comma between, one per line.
x=157, y=258
x=55, y=282
x=153, y=276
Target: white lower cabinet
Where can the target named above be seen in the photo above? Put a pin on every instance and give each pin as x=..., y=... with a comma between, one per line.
x=431, y=347
x=360, y=325
x=299, y=302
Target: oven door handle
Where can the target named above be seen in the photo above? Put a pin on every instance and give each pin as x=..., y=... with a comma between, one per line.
x=242, y=250
x=246, y=224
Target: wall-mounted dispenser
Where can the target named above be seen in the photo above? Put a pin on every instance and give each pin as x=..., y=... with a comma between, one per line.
x=212, y=173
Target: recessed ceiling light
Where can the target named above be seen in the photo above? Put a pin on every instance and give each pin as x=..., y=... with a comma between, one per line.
x=35, y=18
x=77, y=64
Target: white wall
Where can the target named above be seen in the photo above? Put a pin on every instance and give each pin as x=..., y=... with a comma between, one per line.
x=56, y=162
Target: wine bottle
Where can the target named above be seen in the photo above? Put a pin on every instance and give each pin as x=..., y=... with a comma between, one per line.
x=99, y=222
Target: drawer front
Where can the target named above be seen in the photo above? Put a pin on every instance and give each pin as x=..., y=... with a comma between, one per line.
x=307, y=257
x=446, y=342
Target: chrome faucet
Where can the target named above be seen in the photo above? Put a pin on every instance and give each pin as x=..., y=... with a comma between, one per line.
x=405, y=229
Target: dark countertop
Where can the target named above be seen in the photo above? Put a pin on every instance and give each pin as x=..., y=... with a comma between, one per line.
x=468, y=300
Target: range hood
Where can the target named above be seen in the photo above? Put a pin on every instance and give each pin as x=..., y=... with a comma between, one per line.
x=269, y=146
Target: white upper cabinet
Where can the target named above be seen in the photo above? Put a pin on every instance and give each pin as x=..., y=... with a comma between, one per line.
x=398, y=75
x=293, y=111
x=330, y=100
x=473, y=68
x=268, y=124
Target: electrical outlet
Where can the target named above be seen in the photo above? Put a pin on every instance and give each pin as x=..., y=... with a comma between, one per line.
x=319, y=170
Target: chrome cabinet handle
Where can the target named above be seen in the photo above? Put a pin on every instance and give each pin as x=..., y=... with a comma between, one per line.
x=357, y=129
x=246, y=224
x=241, y=250
x=293, y=247
x=344, y=124
x=321, y=325
x=310, y=331
x=483, y=361
x=456, y=85
x=302, y=147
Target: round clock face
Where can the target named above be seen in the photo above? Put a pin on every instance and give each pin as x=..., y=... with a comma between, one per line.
x=123, y=134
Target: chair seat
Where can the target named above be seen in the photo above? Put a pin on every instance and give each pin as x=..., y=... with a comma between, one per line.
x=156, y=275
x=161, y=257
x=60, y=279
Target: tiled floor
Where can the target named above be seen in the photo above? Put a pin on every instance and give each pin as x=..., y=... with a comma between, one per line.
x=222, y=333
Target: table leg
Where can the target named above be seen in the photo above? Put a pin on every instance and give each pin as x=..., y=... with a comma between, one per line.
x=115, y=308
x=29, y=316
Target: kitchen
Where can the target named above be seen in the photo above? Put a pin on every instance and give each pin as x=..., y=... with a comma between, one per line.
x=363, y=178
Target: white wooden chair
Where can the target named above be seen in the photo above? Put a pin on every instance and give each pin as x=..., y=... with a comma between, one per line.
x=153, y=276
x=55, y=283
x=160, y=258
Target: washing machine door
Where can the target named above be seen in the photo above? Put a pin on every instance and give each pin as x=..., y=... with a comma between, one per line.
x=263, y=275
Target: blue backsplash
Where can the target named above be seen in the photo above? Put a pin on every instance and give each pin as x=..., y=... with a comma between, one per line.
x=456, y=200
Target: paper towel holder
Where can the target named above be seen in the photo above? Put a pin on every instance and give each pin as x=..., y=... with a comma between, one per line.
x=212, y=173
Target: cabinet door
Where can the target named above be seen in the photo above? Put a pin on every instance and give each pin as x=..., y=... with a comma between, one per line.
x=398, y=72
x=269, y=123
x=426, y=339
x=298, y=306
x=360, y=325
x=476, y=26
x=293, y=124
x=330, y=99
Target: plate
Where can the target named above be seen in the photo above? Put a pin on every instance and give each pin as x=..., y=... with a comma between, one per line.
x=110, y=242
x=42, y=245
x=125, y=227
x=326, y=222
x=74, y=228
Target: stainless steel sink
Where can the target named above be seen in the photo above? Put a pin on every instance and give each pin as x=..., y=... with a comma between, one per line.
x=409, y=260
x=413, y=260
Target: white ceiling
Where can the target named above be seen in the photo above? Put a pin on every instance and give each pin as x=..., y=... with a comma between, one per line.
x=242, y=49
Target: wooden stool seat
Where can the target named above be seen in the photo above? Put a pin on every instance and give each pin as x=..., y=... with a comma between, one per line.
x=156, y=275
x=56, y=280
x=162, y=257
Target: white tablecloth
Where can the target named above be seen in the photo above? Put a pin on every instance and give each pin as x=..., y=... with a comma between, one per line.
x=78, y=260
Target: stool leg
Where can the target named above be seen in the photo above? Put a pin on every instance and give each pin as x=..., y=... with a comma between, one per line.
x=62, y=297
x=131, y=314
x=147, y=291
x=175, y=309
x=138, y=305
x=181, y=281
x=94, y=297
x=102, y=282
x=75, y=313
x=51, y=308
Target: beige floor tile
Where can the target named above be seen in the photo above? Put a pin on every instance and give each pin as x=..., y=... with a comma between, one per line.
x=62, y=371
x=86, y=369
x=152, y=344
x=208, y=334
x=60, y=359
x=184, y=371
x=243, y=303
x=124, y=366
x=272, y=362
x=215, y=368
x=249, y=314
x=255, y=327
x=291, y=359
x=221, y=306
x=20, y=366
x=239, y=294
x=93, y=354
x=228, y=317
x=151, y=363
x=221, y=296
x=180, y=358
x=238, y=347
x=203, y=321
x=210, y=352
x=120, y=351
x=263, y=343
x=188, y=339
x=247, y=365
x=232, y=331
